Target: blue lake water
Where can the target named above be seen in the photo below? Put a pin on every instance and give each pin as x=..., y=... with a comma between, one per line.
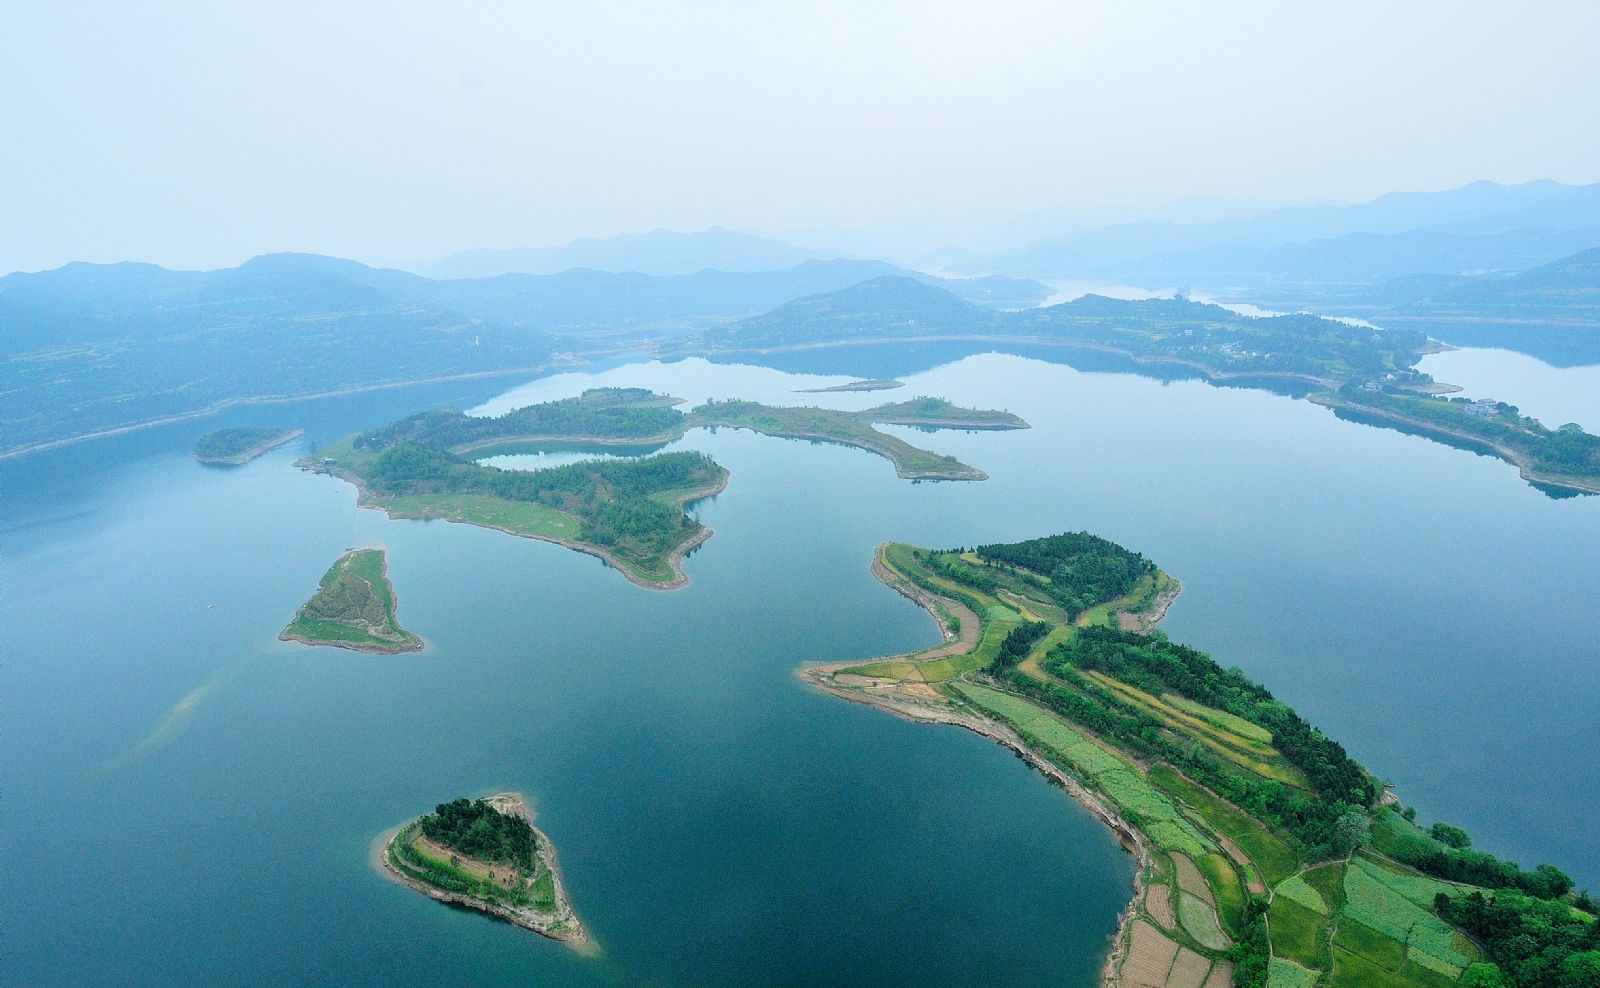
x=189, y=801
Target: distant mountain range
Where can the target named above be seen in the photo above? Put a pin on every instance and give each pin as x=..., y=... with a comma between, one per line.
x=1551, y=311
x=1353, y=259
x=1548, y=212
x=659, y=252
x=90, y=347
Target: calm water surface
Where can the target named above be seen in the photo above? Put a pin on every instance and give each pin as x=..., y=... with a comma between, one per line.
x=189, y=801
x=1553, y=395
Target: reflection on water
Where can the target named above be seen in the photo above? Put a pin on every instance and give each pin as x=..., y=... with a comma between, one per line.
x=1553, y=395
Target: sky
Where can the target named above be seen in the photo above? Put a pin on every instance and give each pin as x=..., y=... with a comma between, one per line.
x=196, y=135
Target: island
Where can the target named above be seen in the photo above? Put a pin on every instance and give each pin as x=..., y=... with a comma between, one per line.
x=354, y=607
x=856, y=429
x=486, y=854
x=874, y=384
x=635, y=417
x=1266, y=855
x=232, y=447
x=631, y=511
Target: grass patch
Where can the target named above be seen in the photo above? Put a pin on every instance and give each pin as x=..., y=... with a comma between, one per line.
x=1226, y=889
x=521, y=517
x=1283, y=973
x=1295, y=931
x=885, y=670
x=1118, y=778
x=1328, y=880
x=1296, y=889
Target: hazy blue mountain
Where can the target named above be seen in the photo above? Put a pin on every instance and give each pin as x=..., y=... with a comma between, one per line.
x=659, y=252
x=1481, y=208
x=1353, y=258
x=93, y=347
x=1551, y=311
x=597, y=304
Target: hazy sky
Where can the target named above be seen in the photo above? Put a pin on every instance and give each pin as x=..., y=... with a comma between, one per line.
x=198, y=134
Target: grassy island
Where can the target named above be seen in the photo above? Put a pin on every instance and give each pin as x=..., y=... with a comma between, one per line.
x=231, y=447
x=486, y=854
x=629, y=512
x=354, y=607
x=1267, y=856
x=639, y=418
x=873, y=384
x=856, y=429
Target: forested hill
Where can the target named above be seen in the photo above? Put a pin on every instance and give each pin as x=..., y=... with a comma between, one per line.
x=599, y=413
x=1159, y=328
x=89, y=347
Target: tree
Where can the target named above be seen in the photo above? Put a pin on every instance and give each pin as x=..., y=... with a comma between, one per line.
x=1581, y=970
x=1482, y=976
x=1351, y=830
x=1450, y=835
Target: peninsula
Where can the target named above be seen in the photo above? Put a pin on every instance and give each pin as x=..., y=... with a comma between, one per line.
x=232, y=447
x=1364, y=372
x=486, y=854
x=1266, y=855
x=354, y=607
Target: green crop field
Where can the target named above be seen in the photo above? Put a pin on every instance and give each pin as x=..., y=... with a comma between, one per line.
x=1287, y=974
x=1382, y=900
x=1294, y=930
x=1223, y=878
x=1271, y=856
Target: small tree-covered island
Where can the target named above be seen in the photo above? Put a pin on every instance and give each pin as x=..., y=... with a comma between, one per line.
x=629, y=511
x=1266, y=855
x=232, y=447
x=486, y=854
x=354, y=607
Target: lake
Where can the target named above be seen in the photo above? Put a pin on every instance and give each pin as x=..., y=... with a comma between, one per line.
x=190, y=801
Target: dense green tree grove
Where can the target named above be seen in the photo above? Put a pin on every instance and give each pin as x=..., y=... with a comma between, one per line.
x=480, y=831
x=1462, y=864
x=231, y=442
x=1080, y=569
x=1252, y=952
x=615, y=498
x=1019, y=641
x=1534, y=943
